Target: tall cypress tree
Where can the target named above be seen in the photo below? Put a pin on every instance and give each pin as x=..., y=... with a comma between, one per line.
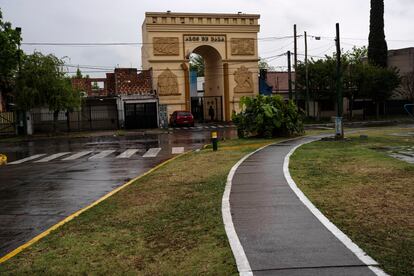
x=377, y=48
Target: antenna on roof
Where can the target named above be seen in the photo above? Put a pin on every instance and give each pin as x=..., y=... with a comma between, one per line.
x=239, y=12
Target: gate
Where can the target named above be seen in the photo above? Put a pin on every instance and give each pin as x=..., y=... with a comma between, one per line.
x=140, y=115
x=207, y=109
x=7, y=123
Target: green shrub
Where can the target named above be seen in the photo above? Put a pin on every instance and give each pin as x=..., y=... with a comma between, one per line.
x=267, y=116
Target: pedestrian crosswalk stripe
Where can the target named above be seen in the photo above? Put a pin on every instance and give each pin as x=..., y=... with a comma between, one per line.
x=101, y=155
x=77, y=155
x=152, y=152
x=51, y=157
x=27, y=159
x=220, y=126
x=177, y=150
x=128, y=153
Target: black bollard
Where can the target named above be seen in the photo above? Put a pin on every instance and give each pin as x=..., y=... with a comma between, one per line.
x=214, y=140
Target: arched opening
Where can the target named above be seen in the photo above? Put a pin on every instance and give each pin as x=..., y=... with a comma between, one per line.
x=207, y=103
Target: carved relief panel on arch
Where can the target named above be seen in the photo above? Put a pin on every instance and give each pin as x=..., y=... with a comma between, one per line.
x=242, y=46
x=167, y=83
x=166, y=46
x=244, y=80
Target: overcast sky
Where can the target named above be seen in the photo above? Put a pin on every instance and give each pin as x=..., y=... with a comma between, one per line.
x=120, y=21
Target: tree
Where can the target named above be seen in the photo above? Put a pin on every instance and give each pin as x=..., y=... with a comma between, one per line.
x=379, y=83
x=78, y=74
x=322, y=76
x=406, y=89
x=267, y=116
x=95, y=86
x=197, y=64
x=361, y=80
x=43, y=82
x=353, y=73
x=377, y=48
x=9, y=55
x=264, y=65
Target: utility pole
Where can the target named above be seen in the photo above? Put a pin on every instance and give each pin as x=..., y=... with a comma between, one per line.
x=295, y=60
x=306, y=74
x=339, y=132
x=289, y=75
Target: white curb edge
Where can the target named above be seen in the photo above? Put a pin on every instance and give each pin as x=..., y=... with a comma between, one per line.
x=242, y=262
x=364, y=257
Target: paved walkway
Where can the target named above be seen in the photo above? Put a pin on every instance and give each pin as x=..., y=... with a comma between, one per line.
x=279, y=234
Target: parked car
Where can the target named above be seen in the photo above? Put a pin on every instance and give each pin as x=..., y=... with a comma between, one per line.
x=182, y=118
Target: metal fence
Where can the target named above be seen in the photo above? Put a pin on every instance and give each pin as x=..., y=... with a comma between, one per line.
x=7, y=123
x=89, y=118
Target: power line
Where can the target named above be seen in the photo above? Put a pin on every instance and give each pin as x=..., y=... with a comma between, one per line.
x=263, y=39
x=363, y=39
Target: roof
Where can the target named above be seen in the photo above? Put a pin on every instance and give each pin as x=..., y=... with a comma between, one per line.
x=213, y=15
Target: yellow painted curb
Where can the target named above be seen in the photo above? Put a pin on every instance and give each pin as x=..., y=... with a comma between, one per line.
x=74, y=215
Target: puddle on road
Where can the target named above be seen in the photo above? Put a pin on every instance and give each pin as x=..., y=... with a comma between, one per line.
x=403, y=134
x=142, y=142
x=404, y=153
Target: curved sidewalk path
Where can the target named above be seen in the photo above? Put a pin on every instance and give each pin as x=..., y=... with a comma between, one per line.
x=277, y=231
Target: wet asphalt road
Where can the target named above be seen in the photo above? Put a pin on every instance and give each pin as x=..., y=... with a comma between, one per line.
x=36, y=195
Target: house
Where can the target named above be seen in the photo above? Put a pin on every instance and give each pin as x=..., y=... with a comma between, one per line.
x=279, y=82
x=136, y=101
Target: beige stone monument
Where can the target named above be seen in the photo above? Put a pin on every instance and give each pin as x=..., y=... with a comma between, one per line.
x=227, y=42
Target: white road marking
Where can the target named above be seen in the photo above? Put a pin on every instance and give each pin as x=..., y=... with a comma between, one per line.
x=152, y=152
x=185, y=127
x=199, y=127
x=27, y=159
x=77, y=155
x=242, y=262
x=101, y=155
x=51, y=157
x=177, y=150
x=364, y=257
x=128, y=153
x=206, y=127
x=220, y=126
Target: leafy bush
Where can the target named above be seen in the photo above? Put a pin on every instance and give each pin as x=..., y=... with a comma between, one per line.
x=267, y=116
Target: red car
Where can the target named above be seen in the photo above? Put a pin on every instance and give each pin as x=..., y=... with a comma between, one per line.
x=182, y=118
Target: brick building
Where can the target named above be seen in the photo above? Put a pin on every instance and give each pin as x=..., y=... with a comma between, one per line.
x=123, y=81
x=132, y=94
x=280, y=82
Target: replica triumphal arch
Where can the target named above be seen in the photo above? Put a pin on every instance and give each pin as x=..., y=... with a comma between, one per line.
x=228, y=44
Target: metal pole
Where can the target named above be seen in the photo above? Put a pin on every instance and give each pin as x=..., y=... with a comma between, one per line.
x=289, y=75
x=295, y=59
x=306, y=74
x=339, y=133
x=338, y=73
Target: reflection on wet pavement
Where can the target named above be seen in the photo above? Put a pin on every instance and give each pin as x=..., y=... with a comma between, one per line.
x=36, y=195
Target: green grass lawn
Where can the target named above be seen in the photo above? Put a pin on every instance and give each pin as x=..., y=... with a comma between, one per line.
x=366, y=193
x=168, y=222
